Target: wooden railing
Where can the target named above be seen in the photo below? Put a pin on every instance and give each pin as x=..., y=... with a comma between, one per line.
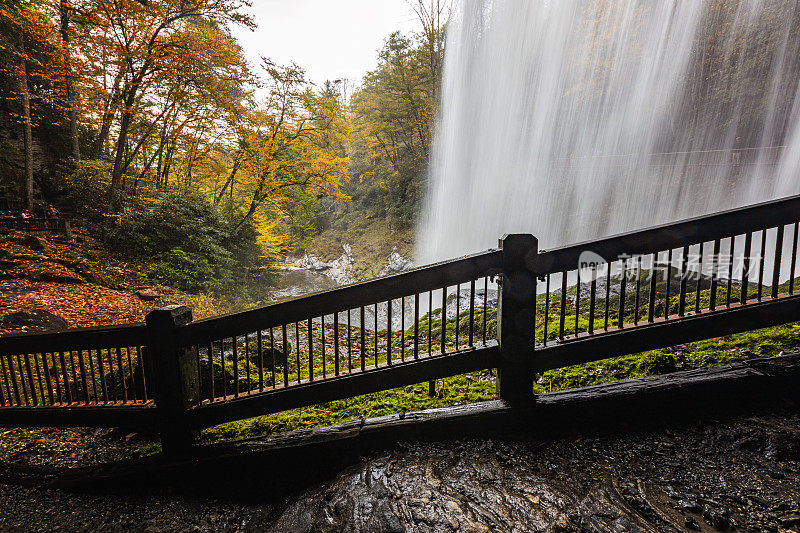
x=56, y=225
x=516, y=309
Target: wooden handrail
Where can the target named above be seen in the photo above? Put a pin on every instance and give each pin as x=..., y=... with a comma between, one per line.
x=674, y=235
x=366, y=293
x=74, y=339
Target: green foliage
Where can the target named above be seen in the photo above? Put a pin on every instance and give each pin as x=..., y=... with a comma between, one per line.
x=86, y=189
x=189, y=244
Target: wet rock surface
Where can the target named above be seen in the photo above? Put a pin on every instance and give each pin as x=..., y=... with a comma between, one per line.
x=32, y=321
x=726, y=475
x=739, y=476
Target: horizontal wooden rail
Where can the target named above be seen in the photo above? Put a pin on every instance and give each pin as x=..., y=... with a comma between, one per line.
x=91, y=416
x=37, y=224
x=74, y=339
x=696, y=230
x=419, y=280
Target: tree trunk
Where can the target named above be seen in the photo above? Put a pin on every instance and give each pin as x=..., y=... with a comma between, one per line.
x=231, y=177
x=108, y=118
x=69, y=90
x=27, y=137
x=122, y=142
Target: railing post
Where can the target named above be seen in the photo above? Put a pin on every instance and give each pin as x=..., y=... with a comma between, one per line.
x=177, y=384
x=517, y=312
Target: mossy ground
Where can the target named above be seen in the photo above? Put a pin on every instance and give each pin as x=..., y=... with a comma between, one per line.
x=372, y=239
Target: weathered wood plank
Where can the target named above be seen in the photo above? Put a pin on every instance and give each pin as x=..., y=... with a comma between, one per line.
x=110, y=415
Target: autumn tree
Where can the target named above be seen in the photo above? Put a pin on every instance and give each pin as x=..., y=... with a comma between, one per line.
x=149, y=42
x=289, y=154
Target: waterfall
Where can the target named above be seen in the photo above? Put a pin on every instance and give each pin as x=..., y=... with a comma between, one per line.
x=573, y=119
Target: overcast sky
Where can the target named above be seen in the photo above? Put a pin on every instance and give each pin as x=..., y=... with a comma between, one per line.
x=330, y=39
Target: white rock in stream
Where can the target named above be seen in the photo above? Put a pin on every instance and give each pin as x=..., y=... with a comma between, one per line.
x=396, y=263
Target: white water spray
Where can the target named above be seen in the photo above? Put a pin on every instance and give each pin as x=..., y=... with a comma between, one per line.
x=573, y=119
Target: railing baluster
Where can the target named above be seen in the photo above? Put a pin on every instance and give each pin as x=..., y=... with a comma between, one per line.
x=668, y=277
x=285, y=357
x=714, y=275
x=682, y=292
x=210, y=353
x=224, y=373
x=48, y=382
x=27, y=388
x=485, y=308
x=546, y=308
x=93, y=373
x=651, y=301
x=42, y=395
x=471, y=311
x=430, y=323
x=363, y=339
x=18, y=381
x=730, y=271
x=416, y=326
x=444, y=318
x=297, y=351
x=101, y=370
x=335, y=344
x=699, y=279
x=121, y=375
x=794, y=256
x=247, y=360
x=13, y=375
x=2, y=392
x=112, y=373
x=141, y=355
x=85, y=378
x=5, y=378
x=132, y=372
x=66, y=394
x=458, y=313
x=323, y=352
x=389, y=333
x=638, y=290
x=349, y=344
x=562, y=313
x=577, y=299
x=403, y=329
x=7, y=363
x=761, y=263
x=608, y=295
x=623, y=284
x=592, y=298
x=376, y=335
x=235, y=357
x=748, y=241
x=260, y=342
x=310, y=349
x=776, y=269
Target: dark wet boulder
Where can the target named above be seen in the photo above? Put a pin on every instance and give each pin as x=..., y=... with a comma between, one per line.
x=33, y=320
x=270, y=354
